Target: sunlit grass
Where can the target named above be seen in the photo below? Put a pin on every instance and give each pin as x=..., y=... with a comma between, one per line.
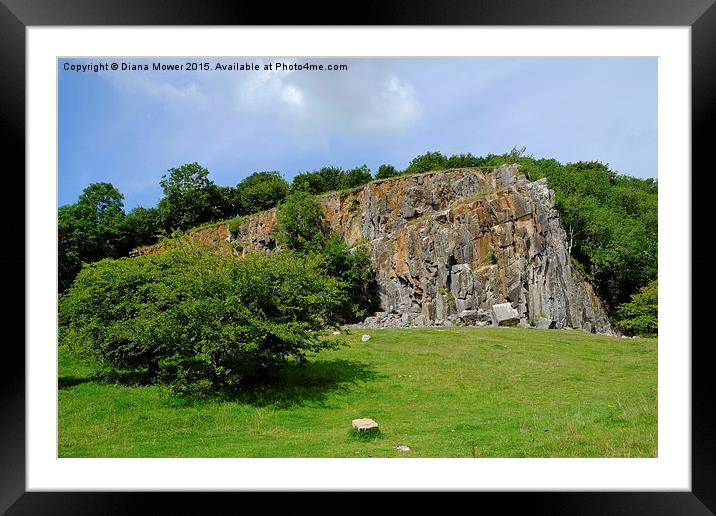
x=458, y=392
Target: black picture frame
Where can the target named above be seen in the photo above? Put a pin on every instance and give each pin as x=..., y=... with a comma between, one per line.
x=17, y=15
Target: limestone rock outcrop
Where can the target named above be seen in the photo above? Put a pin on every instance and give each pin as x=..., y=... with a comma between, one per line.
x=448, y=246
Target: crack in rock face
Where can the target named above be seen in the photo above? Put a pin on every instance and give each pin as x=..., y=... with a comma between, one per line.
x=457, y=247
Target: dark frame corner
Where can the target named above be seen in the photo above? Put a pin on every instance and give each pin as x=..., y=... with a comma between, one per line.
x=17, y=15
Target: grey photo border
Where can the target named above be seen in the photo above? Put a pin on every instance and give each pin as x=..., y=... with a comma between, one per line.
x=17, y=15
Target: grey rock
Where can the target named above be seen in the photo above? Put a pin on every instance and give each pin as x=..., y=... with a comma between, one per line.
x=504, y=315
x=544, y=323
x=365, y=338
x=468, y=317
x=403, y=448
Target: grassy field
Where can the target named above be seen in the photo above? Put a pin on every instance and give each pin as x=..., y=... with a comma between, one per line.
x=458, y=392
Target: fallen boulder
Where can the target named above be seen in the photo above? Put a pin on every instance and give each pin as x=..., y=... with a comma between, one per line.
x=504, y=315
x=545, y=324
x=365, y=426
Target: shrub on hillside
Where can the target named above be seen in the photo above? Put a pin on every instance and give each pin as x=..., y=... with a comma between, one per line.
x=300, y=223
x=640, y=315
x=300, y=229
x=201, y=318
x=355, y=271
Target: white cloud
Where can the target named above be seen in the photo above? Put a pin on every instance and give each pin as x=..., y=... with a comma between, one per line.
x=365, y=100
x=303, y=110
x=176, y=98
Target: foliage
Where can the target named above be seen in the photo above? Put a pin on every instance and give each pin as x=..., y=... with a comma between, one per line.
x=611, y=222
x=386, y=171
x=328, y=179
x=427, y=162
x=188, y=195
x=323, y=180
x=300, y=229
x=640, y=315
x=235, y=224
x=89, y=230
x=210, y=321
x=141, y=226
x=491, y=256
x=464, y=161
x=356, y=177
x=261, y=191
x=300, y=221
x=104, y=200
x=353, y=268
x=222, y=202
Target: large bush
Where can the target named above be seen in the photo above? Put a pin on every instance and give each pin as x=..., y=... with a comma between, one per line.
x=300, y=223
x=355, y=271
x=198, y=318
x=640, y=315
x=301, y=230
x=261, y=191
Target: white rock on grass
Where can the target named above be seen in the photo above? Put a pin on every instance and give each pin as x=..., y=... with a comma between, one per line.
x=365, y=425
x=504, y=315
x=403, y=448
x=336, y=332
x=365, y=338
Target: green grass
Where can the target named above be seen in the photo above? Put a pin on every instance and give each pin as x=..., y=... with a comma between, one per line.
x=507, y=392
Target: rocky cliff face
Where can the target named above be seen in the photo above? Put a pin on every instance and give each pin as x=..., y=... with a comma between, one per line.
x=448, y=246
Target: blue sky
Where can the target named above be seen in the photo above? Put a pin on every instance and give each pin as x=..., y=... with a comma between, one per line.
x=130, y=127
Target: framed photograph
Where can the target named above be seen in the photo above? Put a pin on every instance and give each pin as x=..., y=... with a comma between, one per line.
x=385, y=198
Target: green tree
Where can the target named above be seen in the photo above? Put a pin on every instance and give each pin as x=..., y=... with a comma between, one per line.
x=640, y=315
x=89, y=230
x=356, y=177
x=427, y=162
x=261, y=191
x=385, y=171
x=141, y=226
x=223, y=202
x=323, y=180
x=464, y=161
x=354, y=270
x=105, y=201
x=187, y=197
x=300, y=223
